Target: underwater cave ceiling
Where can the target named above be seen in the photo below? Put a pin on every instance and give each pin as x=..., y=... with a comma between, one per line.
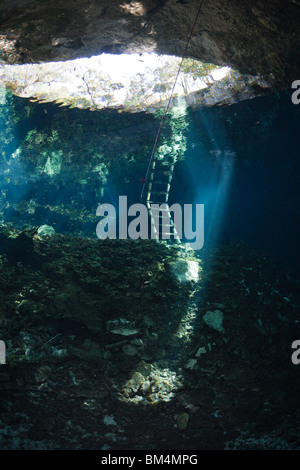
x=259, y=42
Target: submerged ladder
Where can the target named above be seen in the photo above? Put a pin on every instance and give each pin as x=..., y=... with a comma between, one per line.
x=160, y=172
x=159, y=184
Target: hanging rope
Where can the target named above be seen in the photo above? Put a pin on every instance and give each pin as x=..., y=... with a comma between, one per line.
x=145, y=180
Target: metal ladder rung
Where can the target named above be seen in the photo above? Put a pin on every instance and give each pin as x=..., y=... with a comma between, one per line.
x=161, y=216
x=164, y=172
x=156, y=202
x=163, y=193
x=160, y=182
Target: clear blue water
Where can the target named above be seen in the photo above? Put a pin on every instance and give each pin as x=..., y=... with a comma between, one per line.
x=241, y=162
x=259, y=160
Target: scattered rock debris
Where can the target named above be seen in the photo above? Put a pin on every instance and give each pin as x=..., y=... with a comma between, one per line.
x=106, y=349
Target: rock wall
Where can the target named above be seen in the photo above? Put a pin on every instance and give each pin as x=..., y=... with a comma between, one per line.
x=259, y=38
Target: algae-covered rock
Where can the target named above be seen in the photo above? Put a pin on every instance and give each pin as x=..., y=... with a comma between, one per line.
x=201, y=351
x=45, y=230
x=185, y=270
x=53, y=163
x=182, y=421
x=121, y=326
x=214, y=320
x=191, y=364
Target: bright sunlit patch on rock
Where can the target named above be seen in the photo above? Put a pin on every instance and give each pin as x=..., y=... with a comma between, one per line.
x=150, y=386
x=134, y=8
x=218, y=74
x=130, y=82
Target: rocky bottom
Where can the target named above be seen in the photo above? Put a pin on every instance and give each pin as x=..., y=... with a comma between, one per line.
x=118, y=344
